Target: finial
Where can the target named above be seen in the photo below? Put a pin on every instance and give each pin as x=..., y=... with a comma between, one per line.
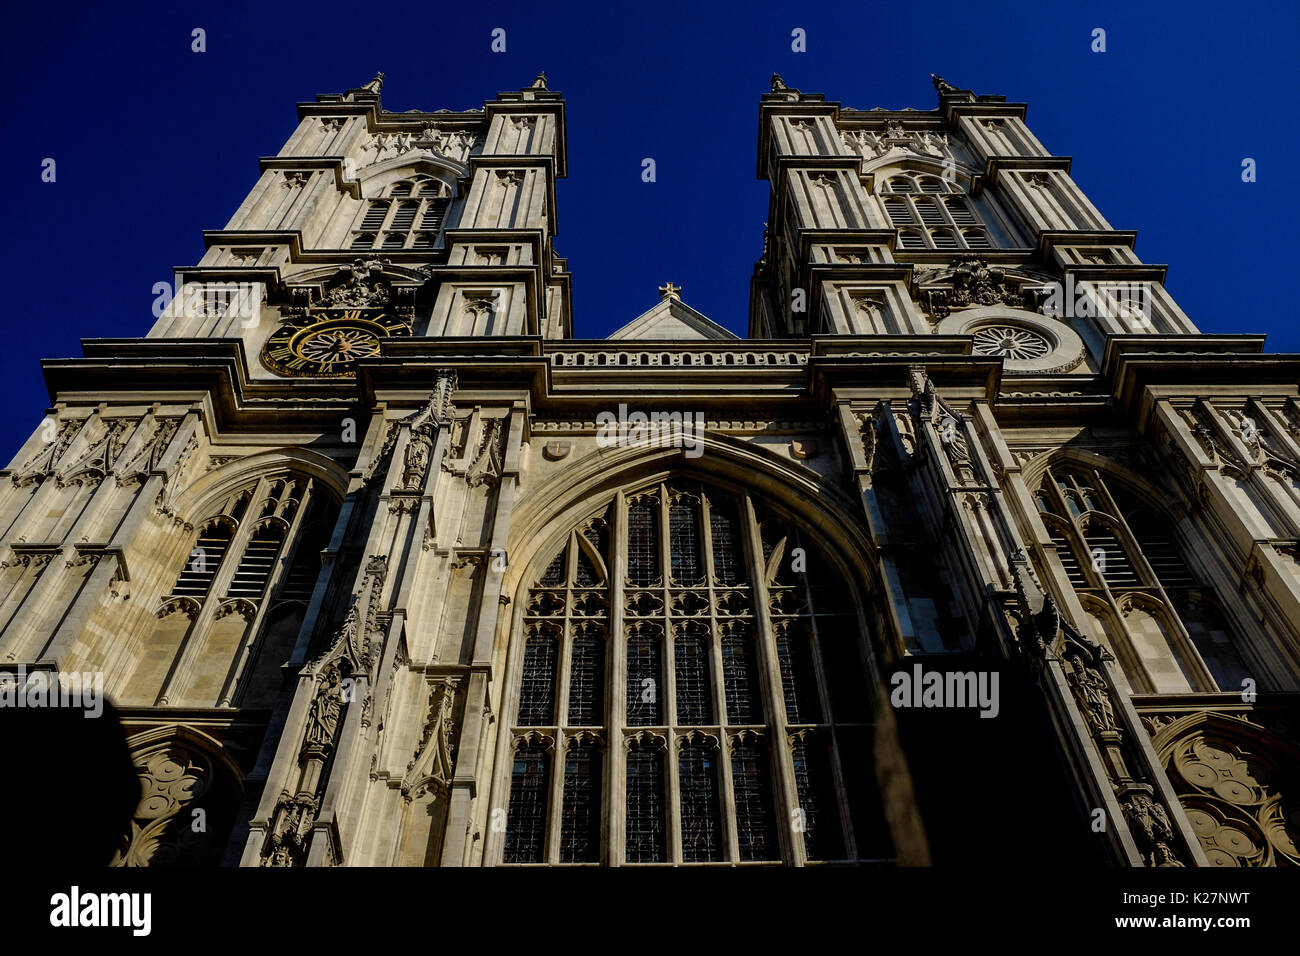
x=668, y=290
x=375, y=85
x=540, y=82
x=778, y=84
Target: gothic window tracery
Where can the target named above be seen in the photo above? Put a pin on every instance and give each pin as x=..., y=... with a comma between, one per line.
x=932, y=213
x=674, y=746
x=409, y=215
x=241, y=591
x=1164, y=627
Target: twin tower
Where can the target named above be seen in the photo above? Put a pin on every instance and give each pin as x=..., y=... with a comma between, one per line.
x=378, y=564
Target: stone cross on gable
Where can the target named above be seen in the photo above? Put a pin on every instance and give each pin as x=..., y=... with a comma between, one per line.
x=668, y=289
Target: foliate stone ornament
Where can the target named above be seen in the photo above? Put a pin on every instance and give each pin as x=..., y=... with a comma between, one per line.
x=487, y=465
x=145, y=461
x=171, y=779
x=976, y=283
x=1219, y=452
x=360, y=284
x=42, y=464
x=98, y=460
x=432, y=765
x=1237, y=780
x=165, y=503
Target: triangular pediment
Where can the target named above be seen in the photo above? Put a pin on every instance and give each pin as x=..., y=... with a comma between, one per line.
x=671, y=318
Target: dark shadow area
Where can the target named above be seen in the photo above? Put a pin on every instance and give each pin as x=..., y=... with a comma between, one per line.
x=993, y=791
x=70, y=788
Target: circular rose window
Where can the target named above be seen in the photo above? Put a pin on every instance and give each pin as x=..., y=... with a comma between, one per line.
x=1027, y=343
x=1010, y=342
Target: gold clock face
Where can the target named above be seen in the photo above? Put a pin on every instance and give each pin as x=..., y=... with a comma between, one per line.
x=329, y=341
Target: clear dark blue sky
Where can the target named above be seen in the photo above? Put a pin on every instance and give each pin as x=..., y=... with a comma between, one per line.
x=155, y=143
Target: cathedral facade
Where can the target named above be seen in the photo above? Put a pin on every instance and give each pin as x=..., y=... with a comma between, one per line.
x=380, y=566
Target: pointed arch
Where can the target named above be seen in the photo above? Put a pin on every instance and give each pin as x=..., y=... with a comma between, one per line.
x=1165, y=626
x=667, y=662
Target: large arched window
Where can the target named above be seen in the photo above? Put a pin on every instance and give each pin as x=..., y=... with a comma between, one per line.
x=690, y=686
x=1142, y=599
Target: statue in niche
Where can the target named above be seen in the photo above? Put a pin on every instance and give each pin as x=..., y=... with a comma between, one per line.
x=323, y=718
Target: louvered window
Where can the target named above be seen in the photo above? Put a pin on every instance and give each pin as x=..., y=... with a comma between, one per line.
x=949, y=221
x=1140, y=611
x=411, y=216
x=196, y=579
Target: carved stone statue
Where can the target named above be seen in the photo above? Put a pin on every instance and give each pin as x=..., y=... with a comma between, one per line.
x=942, y=85
x=323, y=717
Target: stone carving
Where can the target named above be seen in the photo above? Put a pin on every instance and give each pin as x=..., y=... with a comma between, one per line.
x=354, y=641
x=1050, y=637
x=868, y=431
x=451, y=143
x=1150, y=826
x=42, y=464
x=486, y=467
x=350, y=656
x=323, y=715
x=432, y=765
x=941, y=85
x=174, y=779
x=973, y=283
x=423, y=425
x=872, y=144
x=165, y=503
x=1237, y=781
x=292, y=822
x=1262, y=447
x=151, y=451
x=98, y=460
x=1219, y=452
x=360, y=284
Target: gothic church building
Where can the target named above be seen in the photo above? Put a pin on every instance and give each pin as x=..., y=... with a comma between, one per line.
x=371, y=580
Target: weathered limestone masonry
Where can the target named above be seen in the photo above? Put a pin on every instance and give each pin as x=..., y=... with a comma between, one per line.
x=382, y=566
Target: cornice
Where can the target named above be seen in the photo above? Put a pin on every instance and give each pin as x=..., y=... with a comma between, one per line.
x=1049, y=239
x=995, y=164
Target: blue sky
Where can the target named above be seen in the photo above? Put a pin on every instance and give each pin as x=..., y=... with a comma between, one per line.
x=165, y=141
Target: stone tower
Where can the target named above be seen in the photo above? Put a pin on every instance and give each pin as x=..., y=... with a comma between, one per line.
x=380, y=566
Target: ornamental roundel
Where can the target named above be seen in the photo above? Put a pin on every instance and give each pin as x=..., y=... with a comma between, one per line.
x=1027, y=343
x=1008, y=341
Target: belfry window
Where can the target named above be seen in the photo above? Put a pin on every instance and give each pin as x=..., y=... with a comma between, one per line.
x=409, y=216
x=240, y=594
x=647, y=690
x=932, y=213
x=1143, y=602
